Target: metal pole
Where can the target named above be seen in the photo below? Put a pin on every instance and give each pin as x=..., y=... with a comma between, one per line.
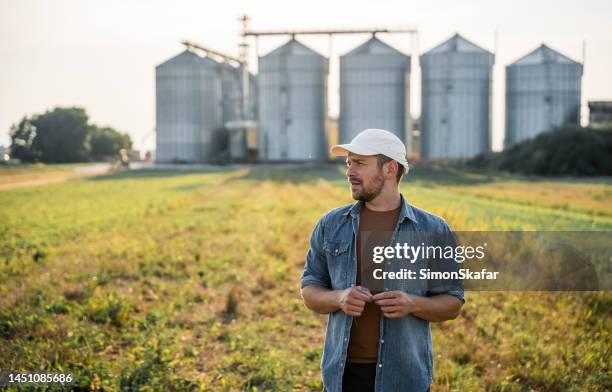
x=244, y=57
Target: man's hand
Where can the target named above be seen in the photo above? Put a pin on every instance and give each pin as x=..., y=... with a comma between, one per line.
x=395, y=304
x=353, y=300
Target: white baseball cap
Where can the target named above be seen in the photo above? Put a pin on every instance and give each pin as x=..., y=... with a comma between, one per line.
x=374, y=142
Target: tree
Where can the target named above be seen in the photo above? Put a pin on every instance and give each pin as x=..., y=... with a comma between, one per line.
x=64, y=135
x=61, y=135
x=22, y=136
x=106, y=141
x=565, y=151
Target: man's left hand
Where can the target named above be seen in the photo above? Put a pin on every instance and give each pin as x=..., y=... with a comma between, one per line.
x=395, y=304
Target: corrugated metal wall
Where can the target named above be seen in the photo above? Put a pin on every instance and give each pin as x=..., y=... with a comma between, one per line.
x=373, y=90
x=188, y=108
x=251, y=99
x=456, y=100
x=542, y=92
x=292, y=105
x=238, y=135
x=232, y=79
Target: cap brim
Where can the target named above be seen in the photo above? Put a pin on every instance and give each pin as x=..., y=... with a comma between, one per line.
x=342, y=150
x=406, y=166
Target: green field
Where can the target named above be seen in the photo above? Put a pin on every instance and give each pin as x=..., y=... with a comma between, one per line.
x=174, y=280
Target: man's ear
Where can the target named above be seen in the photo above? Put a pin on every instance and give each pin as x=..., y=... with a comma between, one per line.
x=389, y=167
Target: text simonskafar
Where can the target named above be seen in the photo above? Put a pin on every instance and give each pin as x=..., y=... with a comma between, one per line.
x=427, y=274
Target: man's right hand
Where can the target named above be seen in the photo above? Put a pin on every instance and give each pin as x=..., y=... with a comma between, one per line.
x=353, y=300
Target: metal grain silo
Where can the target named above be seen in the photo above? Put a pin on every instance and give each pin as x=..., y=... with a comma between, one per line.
x=248, y=107
x=374, y=83
x=240, y=115
x=188, y=108
x=231, y=84
x=542, y=92
x=456, y=100
x=292, y=105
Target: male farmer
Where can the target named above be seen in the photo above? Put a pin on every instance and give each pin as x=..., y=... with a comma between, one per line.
x=374, y=342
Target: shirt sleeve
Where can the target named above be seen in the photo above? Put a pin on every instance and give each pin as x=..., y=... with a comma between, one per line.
x=452, y=287
x=315, y=268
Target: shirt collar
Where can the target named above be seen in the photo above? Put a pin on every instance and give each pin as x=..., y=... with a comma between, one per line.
x=407, y=212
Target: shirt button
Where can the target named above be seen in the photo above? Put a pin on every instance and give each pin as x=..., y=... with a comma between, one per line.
x=381, y=340
x=380, y=365
x=345, y=339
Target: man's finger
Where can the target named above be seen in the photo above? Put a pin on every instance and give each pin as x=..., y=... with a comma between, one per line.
x=390, y=309
x=364, y=290
x=393, y=315
x=385, y=294
x=386, y=302
x=361, y=295
x=355, y=308
x=356, y=302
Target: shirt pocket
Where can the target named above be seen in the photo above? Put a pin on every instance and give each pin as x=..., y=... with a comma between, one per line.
x=337, y=257
x=416, y=286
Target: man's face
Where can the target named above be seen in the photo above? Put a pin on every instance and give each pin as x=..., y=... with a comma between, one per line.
x=365, y=176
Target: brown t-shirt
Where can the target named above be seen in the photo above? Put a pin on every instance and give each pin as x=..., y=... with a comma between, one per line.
x=363, y=344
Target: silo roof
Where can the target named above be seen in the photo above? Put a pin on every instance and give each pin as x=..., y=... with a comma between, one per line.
x=457, y=44
x=544, y=55
x=295, y=48
x=185, y=56
x=374, y=46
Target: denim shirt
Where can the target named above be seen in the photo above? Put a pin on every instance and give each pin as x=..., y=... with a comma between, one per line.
x=405, y=357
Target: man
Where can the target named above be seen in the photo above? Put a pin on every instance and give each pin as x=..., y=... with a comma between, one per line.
x=374, y=341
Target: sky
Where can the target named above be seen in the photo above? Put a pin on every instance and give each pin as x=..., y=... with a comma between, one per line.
x=101, y=55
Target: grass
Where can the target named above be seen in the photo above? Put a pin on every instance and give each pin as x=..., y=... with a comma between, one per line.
x=189, y=281
x=587, y=196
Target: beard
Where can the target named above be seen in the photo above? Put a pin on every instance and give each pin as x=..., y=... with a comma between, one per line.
x=370, y=192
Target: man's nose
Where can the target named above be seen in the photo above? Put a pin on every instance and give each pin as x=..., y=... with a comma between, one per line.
x=350, y=171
